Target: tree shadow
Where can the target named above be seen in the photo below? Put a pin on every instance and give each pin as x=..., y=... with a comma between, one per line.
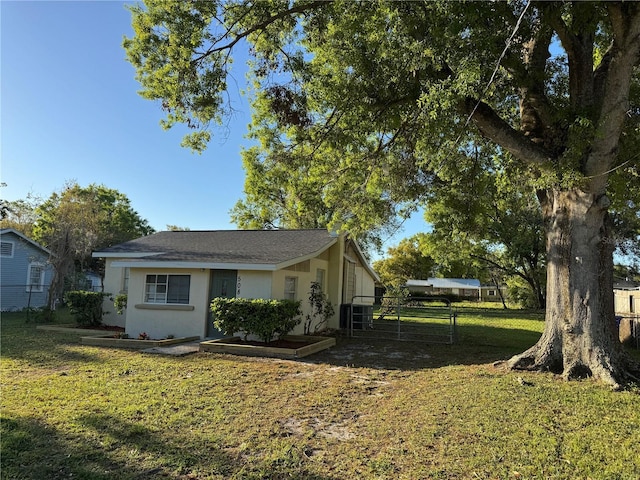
x=43, y=348
x=476, y=344
x=33, y=450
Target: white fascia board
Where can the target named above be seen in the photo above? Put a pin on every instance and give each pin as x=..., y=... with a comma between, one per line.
x=194, y=265
x=125, y=255
x=304, y=258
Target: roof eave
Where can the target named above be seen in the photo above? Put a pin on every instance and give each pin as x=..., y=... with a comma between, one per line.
x=125, y=254
x=157, y=264
x=26, y=239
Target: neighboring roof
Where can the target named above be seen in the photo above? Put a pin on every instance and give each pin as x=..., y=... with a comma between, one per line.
x=625, y=284
x=445, y=283
x=6, y=231
x=259, y=249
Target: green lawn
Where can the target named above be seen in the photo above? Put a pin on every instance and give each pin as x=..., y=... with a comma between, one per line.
x=364, y=409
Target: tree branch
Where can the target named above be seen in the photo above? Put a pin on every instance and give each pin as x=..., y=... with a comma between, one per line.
x=257, y=27
x=615, y=76
x=492, y=126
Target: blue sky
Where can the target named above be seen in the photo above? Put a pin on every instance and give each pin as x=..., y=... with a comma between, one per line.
x=70, y=112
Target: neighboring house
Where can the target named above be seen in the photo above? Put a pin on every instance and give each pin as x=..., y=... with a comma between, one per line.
x=627, y=307
x=468, y=288
x=25, y=272
x=171, y=277
x=491, y=293
x=627, y=299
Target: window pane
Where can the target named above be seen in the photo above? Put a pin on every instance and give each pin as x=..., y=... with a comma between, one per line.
x=290, y=288
x=125, y=281
x=35, y=278
x=178, y=291
x=154, y=293
x=36, y=275
x=320, y=278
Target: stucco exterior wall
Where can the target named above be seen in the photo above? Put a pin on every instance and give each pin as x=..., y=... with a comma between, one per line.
x=254, y=284
x=307, y=273
x=162, y=320
x=113, y=284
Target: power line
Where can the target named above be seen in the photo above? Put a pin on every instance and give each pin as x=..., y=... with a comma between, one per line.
x=495, y=70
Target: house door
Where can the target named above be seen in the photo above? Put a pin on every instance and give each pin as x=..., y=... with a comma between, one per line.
x=221, y=284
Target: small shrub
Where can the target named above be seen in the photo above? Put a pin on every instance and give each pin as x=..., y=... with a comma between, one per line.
x=266, y=319
x=393, y=297
x=120, y=303
x=40, y=314
x=86, y=307
x=321, y=310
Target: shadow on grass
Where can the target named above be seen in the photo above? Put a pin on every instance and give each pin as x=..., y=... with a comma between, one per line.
x=41, y=348
x=477, y=344
x=106, y=447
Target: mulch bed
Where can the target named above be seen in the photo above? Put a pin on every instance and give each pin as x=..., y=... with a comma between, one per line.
x=276, y=343
x=105, y=328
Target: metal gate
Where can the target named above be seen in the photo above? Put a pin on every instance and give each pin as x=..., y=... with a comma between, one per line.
x=423, y=319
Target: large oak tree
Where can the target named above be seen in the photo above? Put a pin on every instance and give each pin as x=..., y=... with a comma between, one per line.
x=382, y=97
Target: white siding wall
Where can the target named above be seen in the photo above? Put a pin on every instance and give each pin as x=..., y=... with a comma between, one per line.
x=627, y=301
x=365, y=286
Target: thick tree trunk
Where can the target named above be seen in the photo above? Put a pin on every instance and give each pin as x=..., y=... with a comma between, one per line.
x=580, y=336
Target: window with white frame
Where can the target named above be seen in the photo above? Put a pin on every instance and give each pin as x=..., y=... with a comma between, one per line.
x=167, y=289
x=290, y=287
x=125, y=279
x=35, y=277
x=6, y=249
x=320, y=274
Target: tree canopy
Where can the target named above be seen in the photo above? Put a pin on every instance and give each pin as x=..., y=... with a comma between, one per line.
x=381, y=100
x=76, y=221
x=404, y=262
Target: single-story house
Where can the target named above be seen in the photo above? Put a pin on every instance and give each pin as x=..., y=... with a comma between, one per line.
x=171, y=277
x=463, y=287
x=626, y=296
x=491, y=293
x=25, y=272
x=627, y=299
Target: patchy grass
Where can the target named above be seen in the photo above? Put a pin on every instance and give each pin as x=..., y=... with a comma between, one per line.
x=364, y=409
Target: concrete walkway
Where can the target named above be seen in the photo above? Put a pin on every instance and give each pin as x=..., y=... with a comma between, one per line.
x=178, y=350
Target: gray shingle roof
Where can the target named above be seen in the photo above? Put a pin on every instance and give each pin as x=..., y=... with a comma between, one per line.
x=224, y=246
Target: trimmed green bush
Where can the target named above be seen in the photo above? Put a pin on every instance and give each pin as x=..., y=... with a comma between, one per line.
x=266, y=319
x=86, y=307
